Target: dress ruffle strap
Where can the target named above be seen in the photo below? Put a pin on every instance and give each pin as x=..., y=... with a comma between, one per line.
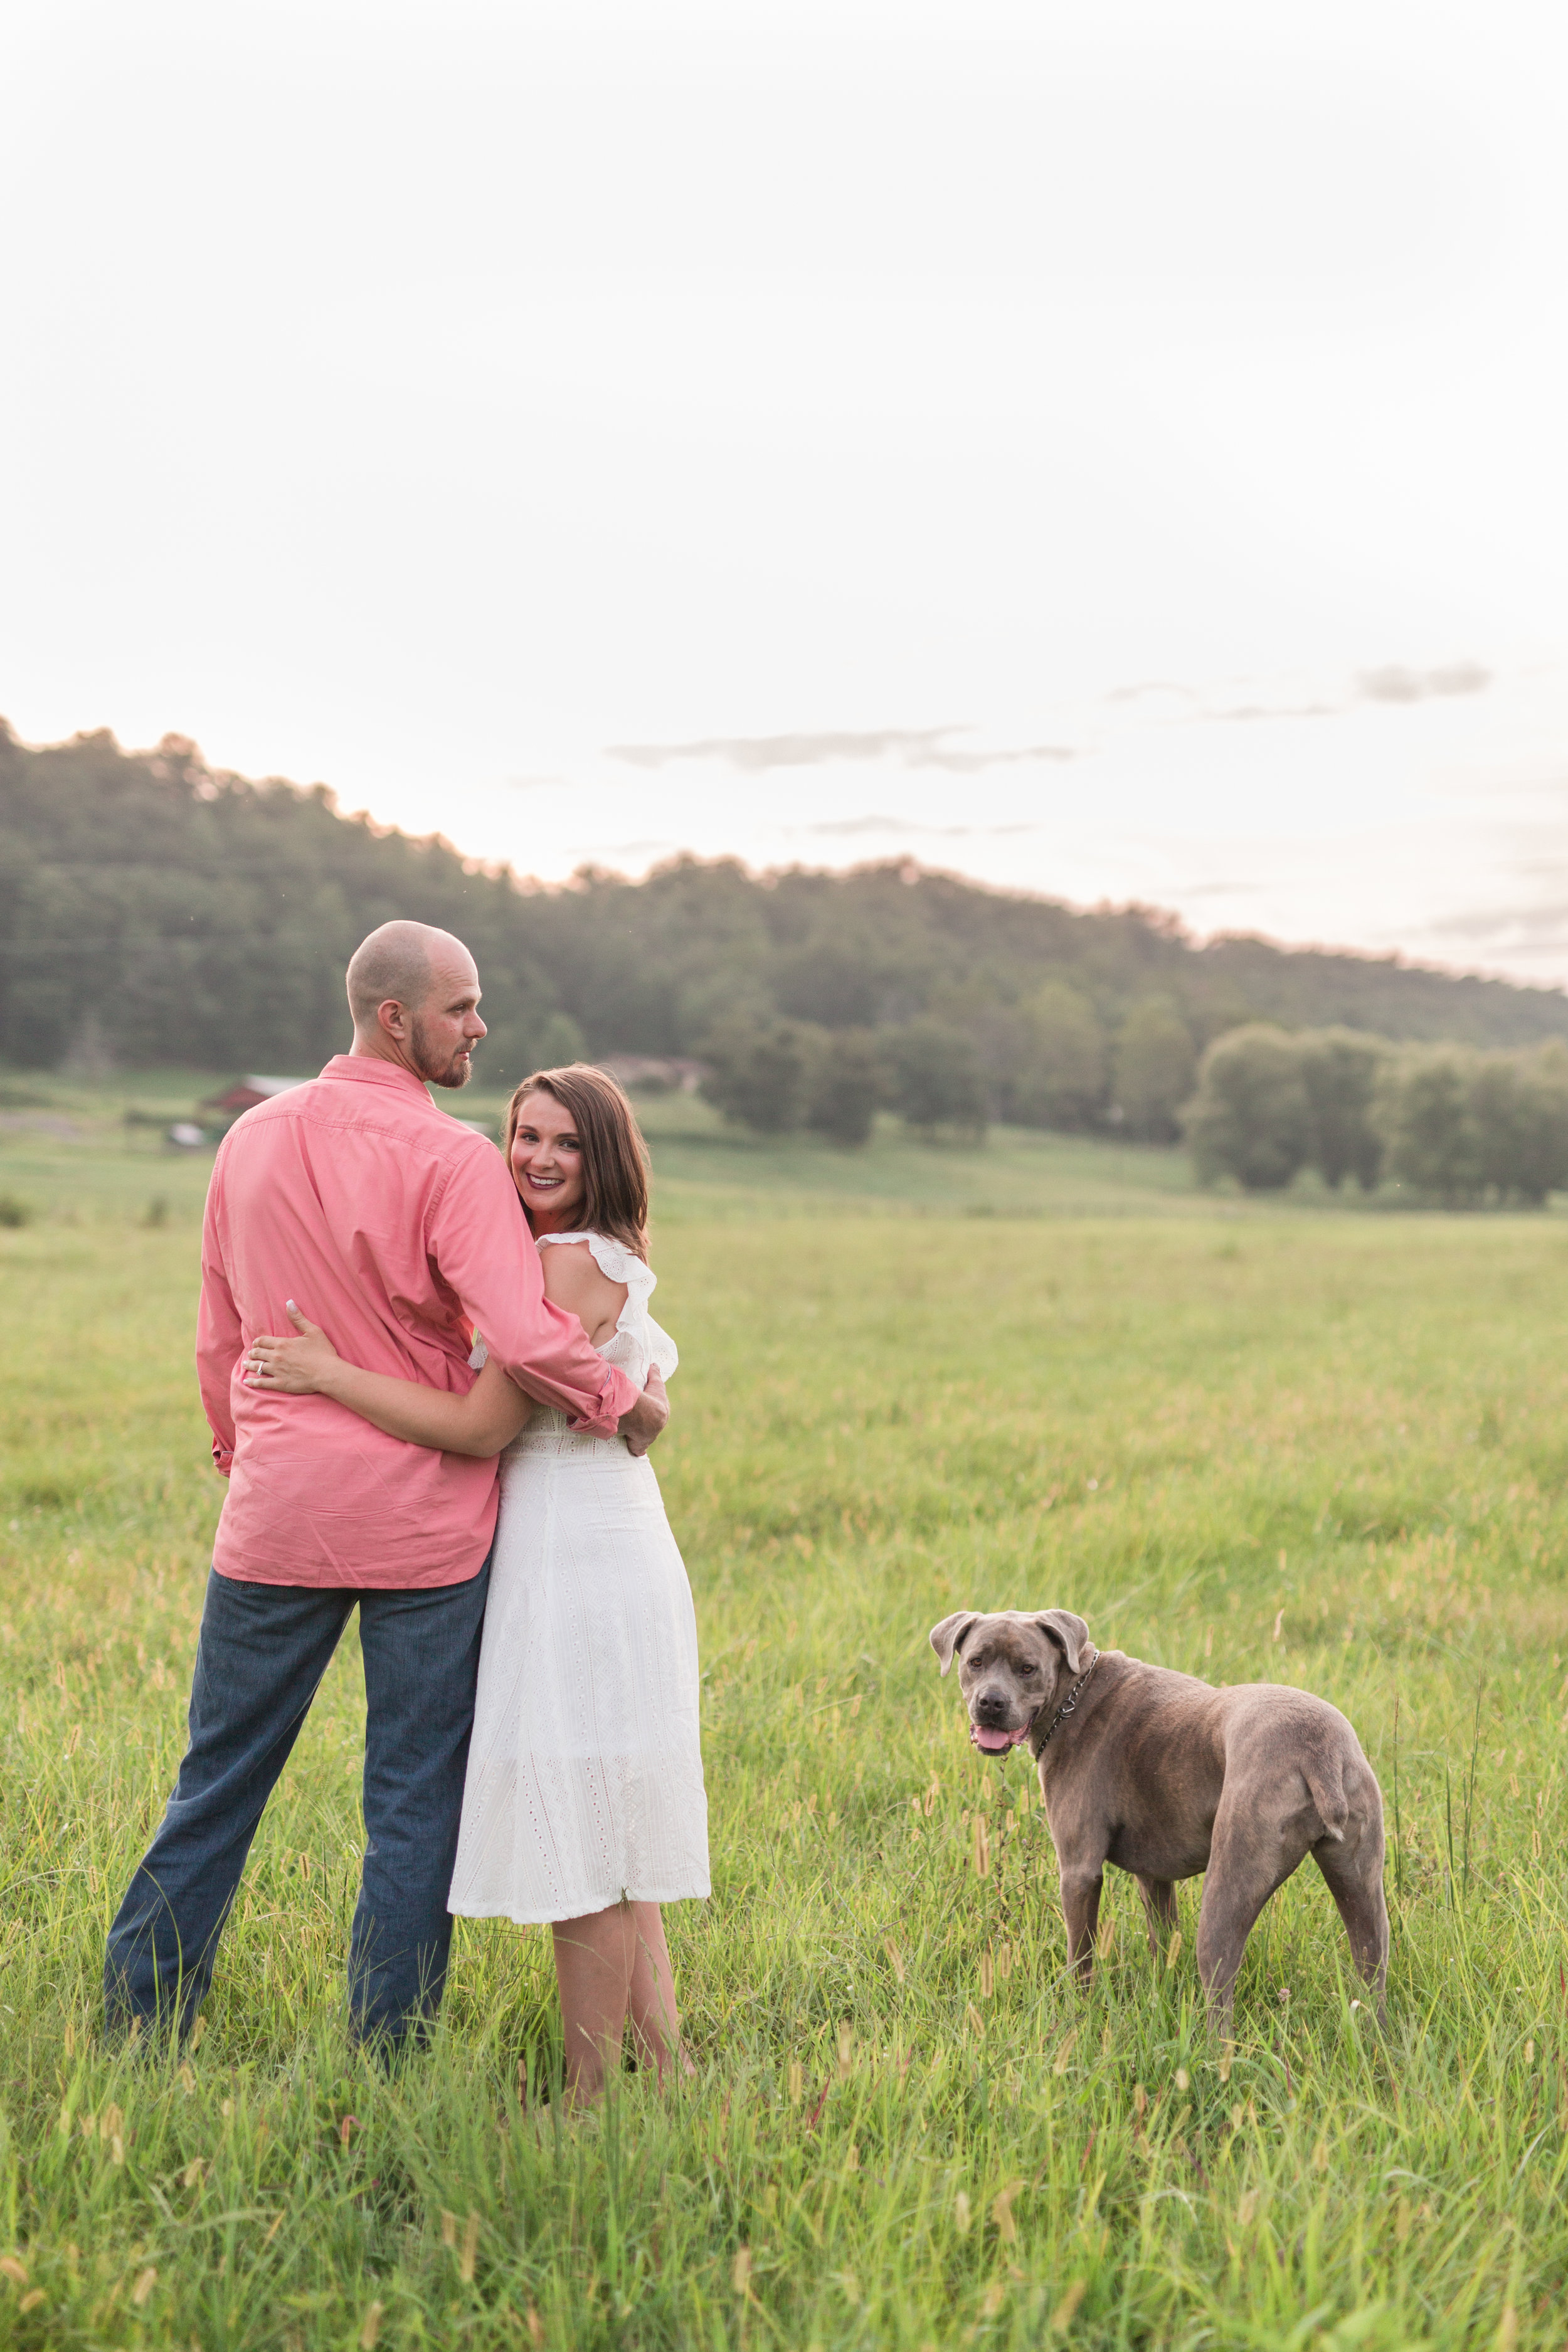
x=635, y=1324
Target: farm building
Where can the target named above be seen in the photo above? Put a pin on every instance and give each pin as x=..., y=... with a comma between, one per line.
x=246, y=1092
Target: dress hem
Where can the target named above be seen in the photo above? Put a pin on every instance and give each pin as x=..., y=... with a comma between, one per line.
x=587, y=1910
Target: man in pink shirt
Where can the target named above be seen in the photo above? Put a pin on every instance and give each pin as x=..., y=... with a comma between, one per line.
x=399, y=1231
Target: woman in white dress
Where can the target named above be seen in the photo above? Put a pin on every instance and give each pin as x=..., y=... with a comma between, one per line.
x=584, y=1804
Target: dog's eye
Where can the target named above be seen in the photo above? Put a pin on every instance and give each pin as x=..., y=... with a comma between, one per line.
x=1028, y=1670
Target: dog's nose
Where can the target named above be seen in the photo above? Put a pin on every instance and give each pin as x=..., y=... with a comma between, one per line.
x=991, y=1707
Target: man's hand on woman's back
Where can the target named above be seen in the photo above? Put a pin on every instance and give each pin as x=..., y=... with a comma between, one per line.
x=643, y=1424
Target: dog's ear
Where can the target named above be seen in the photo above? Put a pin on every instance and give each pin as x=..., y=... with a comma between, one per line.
x=948, y=1637
x=1070, y=1630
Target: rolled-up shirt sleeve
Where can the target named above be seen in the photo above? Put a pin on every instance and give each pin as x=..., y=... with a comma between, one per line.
x=219, y=1339
x=483, y=1251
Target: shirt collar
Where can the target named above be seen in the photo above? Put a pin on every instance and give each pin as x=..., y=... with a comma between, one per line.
x=365, y=1069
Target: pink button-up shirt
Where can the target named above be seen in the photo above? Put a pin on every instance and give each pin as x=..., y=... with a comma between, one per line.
x=396, y=1230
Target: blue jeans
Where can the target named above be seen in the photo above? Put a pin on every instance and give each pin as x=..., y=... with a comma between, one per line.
x=260, y=1658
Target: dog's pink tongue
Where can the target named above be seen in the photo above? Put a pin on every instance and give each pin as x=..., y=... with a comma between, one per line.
x=995, y=1743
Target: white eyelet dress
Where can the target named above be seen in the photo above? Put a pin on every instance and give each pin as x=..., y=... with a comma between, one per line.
x=584, y=1779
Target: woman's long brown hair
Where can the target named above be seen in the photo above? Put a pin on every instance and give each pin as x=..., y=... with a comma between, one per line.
x=614, y=1157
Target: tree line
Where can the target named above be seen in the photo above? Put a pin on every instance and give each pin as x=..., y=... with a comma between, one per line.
x=1045, y=1063
x=1449, y=1123
x=154, y=911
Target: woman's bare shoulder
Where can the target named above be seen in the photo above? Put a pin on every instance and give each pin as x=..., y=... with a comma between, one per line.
x=572, y=1272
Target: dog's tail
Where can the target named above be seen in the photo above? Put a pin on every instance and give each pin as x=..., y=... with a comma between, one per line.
x=1325, y=1779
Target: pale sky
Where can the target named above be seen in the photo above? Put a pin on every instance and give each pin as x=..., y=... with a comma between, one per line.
x=1113, y=449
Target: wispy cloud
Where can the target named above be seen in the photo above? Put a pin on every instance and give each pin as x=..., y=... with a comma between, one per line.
x=1150, y=689
x=1542, y=924
x=1393, y=683
x=593, y=851
x=905, y=747
x=1280, y=710
x=1157, y=700
x=846, y=827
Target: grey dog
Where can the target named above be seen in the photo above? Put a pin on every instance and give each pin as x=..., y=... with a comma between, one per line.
x=1166, y=1778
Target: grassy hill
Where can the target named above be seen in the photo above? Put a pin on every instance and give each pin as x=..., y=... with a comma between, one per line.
x=154, y=912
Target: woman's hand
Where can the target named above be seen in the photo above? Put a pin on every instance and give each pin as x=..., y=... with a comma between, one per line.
x=299, y=1366
x=642, y=1423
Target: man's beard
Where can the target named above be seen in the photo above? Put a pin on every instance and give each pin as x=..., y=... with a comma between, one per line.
x=455, y=1071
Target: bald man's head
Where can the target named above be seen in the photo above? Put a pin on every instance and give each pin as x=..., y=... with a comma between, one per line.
x=413, y=994
x=395, y=962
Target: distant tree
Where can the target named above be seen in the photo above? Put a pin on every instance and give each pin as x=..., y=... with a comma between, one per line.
x=827, y=980
x=1341, y=1069
x=1538, y=1126
x=90, y=1055
x=1425, y=1112
x=1250, y=1117
x=1153, y=1067
x=560, y=1041
x=760, y=1072
x=1519, y=1109
x=1004, y=1044
x=1465, y=1127
x=1498, y=1108
x=936, y=1079
x=540, y=1040
x=1063, y=1083
x=845, y=1088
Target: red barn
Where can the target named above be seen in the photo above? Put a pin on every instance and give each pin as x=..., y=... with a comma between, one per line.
x=246, y=1092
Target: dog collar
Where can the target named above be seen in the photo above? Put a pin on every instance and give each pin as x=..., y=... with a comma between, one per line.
x=1071, y=1699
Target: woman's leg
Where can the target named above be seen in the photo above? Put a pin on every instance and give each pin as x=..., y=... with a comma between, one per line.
x=655, y=2023
x=594, y=1958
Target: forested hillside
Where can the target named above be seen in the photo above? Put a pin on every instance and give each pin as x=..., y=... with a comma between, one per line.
x=159, y=913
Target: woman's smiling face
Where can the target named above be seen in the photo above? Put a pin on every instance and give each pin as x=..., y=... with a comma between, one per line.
x=547, y=1163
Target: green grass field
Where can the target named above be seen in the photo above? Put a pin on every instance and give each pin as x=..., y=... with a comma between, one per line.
x=1326, y=1449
